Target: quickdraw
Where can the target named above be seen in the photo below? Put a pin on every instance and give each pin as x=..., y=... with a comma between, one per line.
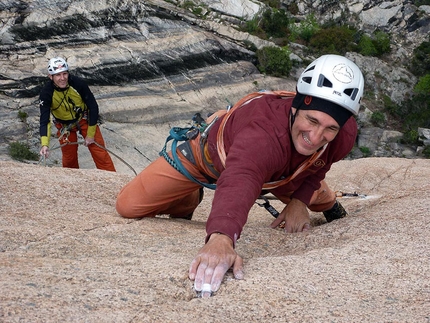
x=65, y=130
x=64, y=136
x=355, y=194
x=275, y=213
x=267, y=206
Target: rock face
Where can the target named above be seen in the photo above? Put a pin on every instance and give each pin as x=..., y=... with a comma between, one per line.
x=237, y=8
x=130, y=43
x=153, y=64
x=66, y=256
x=407, y=24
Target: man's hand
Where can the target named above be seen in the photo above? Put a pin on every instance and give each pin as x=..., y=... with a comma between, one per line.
x=44, y=151
x=89, y=141
x=212, y=262
x=296, y=217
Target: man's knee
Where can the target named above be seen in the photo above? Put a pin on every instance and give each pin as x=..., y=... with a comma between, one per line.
x=127, y=209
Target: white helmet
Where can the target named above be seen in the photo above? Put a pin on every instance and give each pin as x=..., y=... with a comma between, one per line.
x=57, y=65
x=333, y=78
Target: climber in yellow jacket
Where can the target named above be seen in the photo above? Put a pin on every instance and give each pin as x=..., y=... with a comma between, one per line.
x=74, y=108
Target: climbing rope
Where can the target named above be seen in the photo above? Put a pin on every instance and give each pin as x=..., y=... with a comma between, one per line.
x=82, y=143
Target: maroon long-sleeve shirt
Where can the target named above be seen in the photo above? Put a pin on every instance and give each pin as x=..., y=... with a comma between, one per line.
x=259, y=149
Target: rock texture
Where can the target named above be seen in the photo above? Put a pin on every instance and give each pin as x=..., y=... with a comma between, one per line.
x=66, y=255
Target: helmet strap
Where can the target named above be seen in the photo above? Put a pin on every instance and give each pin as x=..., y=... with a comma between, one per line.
x=293, y=116
x=297, y=103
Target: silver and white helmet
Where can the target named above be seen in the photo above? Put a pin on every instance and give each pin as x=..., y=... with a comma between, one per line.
x=333, y=78
x=57, y=65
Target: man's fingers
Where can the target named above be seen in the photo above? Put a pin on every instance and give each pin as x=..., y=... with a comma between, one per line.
x=218, y=275
x=306, y=227
x=208, y=285
x=44, y=151
x=89, y=141
x=212, y=262
x=277, y=222
x=199, y=279
x=238, y=268
x=206, y=291
x=193, y=268
x=208, y=279
x=298, y=228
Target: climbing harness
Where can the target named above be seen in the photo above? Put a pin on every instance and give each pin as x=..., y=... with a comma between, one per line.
x=65, y=132
x=177, y=134
x=66, y=128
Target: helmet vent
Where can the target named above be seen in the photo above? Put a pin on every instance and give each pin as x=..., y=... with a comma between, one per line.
x=309, y=69
x=307, y=79
x=354, y=94
x=324, y=82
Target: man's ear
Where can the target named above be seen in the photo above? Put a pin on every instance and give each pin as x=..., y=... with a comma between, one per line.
x=50, y=76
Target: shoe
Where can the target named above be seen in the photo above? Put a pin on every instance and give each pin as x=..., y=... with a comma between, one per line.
x=201, y=193
x=336, y=212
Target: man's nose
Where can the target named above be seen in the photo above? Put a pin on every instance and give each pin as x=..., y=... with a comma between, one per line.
x=317, y=135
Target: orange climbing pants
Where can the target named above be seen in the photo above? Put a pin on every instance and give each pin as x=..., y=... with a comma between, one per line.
x=100, y=156
x=161, y=189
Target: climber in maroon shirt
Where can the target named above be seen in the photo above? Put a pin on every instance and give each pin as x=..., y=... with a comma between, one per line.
x=278, y=142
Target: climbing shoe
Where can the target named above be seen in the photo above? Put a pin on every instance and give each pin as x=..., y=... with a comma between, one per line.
x=336, y=212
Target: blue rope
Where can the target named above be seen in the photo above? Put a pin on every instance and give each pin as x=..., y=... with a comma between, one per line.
x=180, y=134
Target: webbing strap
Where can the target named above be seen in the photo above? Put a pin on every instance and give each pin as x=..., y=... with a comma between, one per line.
x=306, y=164
x=244, y=101
x=180, y=134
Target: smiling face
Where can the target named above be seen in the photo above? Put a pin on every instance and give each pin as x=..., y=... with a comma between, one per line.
x=311, y=130
x=61, y=79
